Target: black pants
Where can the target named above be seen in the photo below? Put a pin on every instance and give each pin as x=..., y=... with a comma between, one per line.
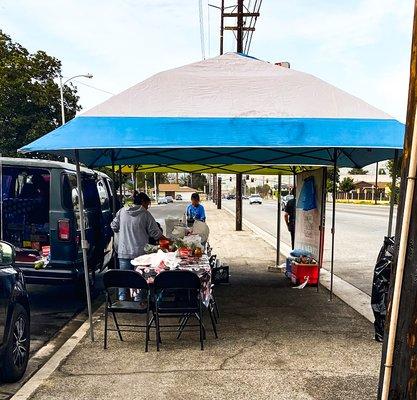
x=292, y=233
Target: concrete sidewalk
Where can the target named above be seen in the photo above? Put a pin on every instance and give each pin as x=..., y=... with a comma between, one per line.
x=274, y=342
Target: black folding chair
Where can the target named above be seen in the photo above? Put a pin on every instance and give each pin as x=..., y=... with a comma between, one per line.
x=115, y=279
x=177, y=295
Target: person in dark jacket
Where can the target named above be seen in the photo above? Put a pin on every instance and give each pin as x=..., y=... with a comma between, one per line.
x=289, y=217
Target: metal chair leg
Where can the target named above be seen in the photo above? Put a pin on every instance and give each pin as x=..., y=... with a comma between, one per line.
x=183, y=325
x=202, y=334
x=147, y=329
x=213, y=323
x=106, y=313
x=117, y=326
x=158, y=335
x=216, y=308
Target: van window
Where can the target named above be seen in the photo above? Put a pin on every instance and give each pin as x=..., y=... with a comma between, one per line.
x=70, y=192
x=25, y=200
x=103, y=194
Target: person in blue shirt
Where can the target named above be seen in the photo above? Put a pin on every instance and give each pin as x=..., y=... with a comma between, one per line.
x=195, y=211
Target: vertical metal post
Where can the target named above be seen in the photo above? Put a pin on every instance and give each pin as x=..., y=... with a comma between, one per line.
x=333, y=221
x=239, y=33
x=238, y=202
x=215, y=184
x=279, y=219
x=113, y=187
x=393, y=192
x=135, y=181
x=84, y=243
x=221, y=26
x=155, y=188
x=120, y=186
x=376, y=184
x=219, y=193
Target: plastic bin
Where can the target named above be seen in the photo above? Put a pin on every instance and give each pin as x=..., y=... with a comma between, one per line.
x=300, y=272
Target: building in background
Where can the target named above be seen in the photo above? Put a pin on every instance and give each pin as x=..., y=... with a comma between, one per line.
x=174, y=189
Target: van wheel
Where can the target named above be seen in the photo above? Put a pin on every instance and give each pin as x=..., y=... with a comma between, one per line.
x=16, y=353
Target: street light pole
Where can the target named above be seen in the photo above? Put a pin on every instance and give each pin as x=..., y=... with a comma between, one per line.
x=61, y=90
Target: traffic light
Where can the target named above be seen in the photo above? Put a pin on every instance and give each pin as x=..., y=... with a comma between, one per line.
x=247, y=177
x=230, y=179
x=252, y=180
x=267, y=181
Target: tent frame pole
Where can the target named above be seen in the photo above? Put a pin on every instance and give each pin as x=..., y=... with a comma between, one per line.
x=333, y=230
x=113, y=186
x=393, y=191
x=278, y=219
x=219, y=193
x=239, y=211
x=84, y=243
x=120, y=185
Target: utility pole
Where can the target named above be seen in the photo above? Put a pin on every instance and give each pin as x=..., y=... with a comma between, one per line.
x=239, y=28
x=221, y=26
x=398, y=376
x=239, y=34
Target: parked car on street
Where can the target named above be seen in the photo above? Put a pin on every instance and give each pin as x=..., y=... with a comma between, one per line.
x=170, y=199
x=231, y=197
x=255, y=199
x=284, y=200
x=178, y=197
x=41, y=218
x=14, y=317
x=162, y=200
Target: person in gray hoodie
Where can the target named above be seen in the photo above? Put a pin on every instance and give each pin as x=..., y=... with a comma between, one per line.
x=134, y=225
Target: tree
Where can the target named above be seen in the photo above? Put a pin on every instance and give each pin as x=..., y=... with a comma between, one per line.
x=358, y=171
x=263, y=190
x=197, y=181
x=390, y=167
x=29, y=96
x=346, y=185
x=330, y=175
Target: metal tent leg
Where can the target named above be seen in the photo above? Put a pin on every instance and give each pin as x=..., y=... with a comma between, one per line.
x=84, y=243
x=333, y=222
x=278, y=219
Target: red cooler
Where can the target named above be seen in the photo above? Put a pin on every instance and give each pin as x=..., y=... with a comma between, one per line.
x=300, y=272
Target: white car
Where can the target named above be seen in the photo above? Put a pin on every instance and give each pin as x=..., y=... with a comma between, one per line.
x=255, y=199
x=162, y=200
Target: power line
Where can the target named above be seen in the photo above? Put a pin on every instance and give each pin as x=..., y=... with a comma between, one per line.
x=93, y=87
x=208, y=30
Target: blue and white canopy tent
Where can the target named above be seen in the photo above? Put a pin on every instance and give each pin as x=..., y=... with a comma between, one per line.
x=231, y=109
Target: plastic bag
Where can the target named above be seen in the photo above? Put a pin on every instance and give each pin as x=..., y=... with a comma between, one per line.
x=193, y=241
x=201, y=228
x=380, y=286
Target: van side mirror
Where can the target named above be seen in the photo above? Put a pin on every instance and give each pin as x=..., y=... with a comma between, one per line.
x=7, y=254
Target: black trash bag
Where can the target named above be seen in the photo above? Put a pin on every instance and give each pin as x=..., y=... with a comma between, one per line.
x=380, y=286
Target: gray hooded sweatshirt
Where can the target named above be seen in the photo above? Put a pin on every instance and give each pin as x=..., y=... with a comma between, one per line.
x=135, y=225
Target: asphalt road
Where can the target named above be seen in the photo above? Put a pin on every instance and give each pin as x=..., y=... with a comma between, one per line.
x=360, y=230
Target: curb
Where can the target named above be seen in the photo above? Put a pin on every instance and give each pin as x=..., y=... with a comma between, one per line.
x=29, y=388
x=351, y=295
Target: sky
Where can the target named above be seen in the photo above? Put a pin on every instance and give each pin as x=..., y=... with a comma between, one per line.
x=360, y=46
